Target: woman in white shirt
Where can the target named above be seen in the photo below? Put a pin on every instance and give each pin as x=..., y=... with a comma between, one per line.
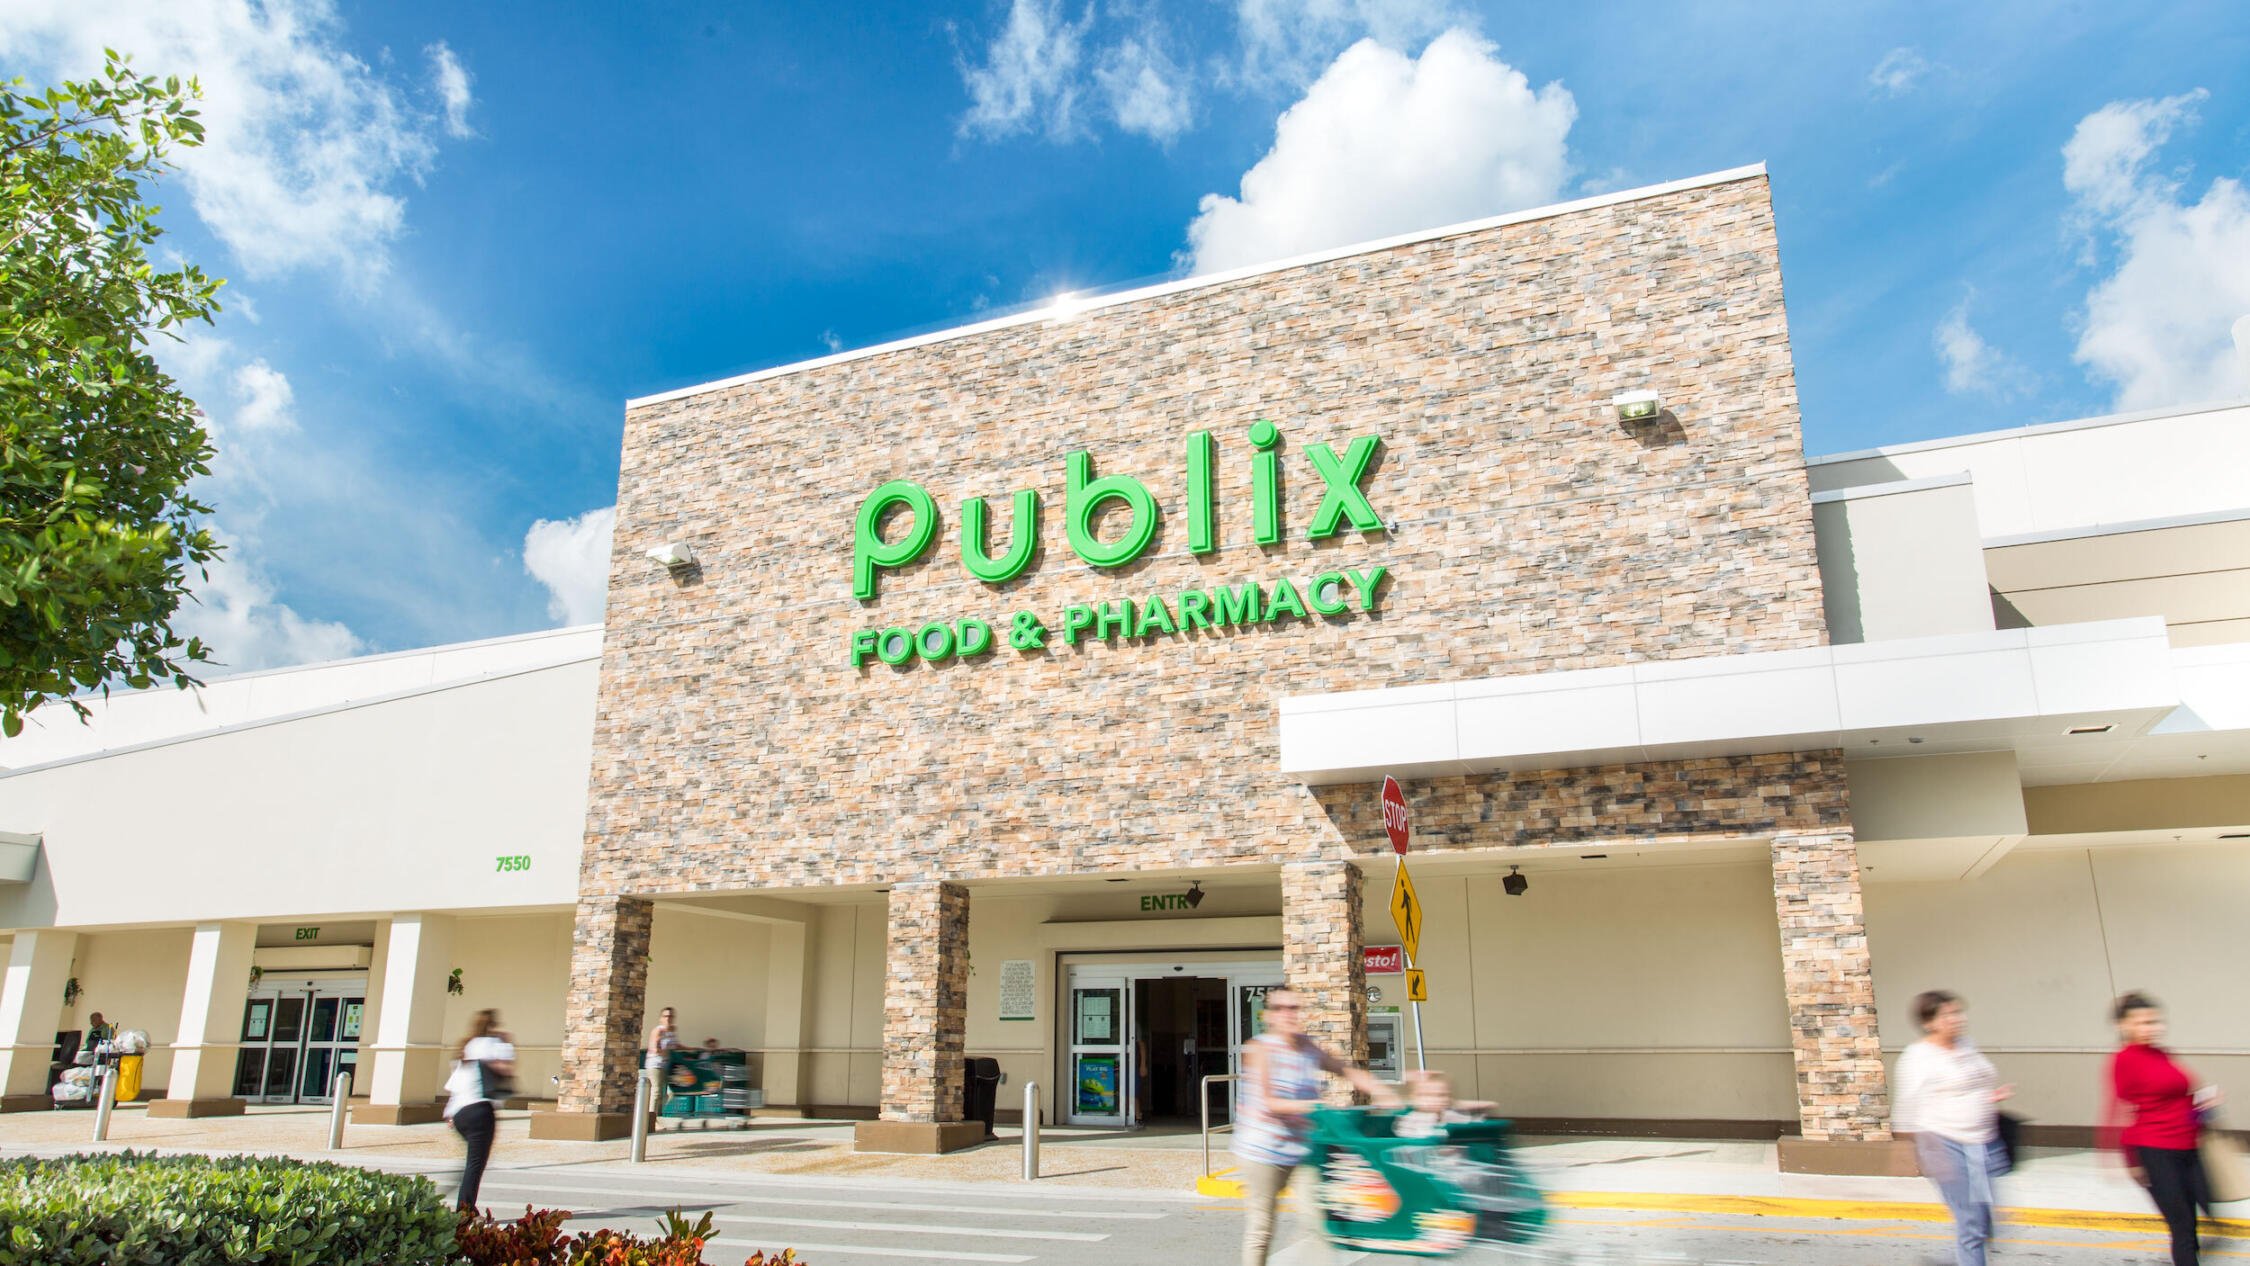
x=478, y=1083
x=1947, y=1099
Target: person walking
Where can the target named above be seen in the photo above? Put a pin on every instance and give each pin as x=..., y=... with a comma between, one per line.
x=1947, y=1099
x=663, y=1039
x=473, y=1093
x=2159, y=1143
x=1281, y=1070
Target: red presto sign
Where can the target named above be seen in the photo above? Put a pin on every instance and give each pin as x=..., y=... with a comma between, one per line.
x=1384, y=960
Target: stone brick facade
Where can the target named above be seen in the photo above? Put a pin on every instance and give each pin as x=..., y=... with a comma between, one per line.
x=1524, y=528
x=925, y=1002
x=1842, y=1094
x=602, y=1026
x=1323, y=913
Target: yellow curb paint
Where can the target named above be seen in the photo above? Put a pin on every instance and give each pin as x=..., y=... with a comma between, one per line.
x=1218, y=1184
x=1864, y=1210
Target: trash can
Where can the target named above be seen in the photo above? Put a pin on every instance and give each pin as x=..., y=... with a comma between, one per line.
x=981, y=1096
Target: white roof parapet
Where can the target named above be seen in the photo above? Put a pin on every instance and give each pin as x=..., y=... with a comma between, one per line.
x=2024, y=689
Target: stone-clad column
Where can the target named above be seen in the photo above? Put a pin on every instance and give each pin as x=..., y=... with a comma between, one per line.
x=925, y=1023
x=1321, y=939
x=1842, y=1094
x=602, y=1020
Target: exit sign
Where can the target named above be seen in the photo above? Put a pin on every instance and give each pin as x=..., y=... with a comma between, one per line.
x=308, y=934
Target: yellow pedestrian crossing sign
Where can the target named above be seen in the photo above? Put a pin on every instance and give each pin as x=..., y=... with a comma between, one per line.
x=1406, y=912
x=1417, y=989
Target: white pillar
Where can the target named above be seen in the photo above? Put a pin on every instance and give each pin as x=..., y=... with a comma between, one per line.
x=210, y=1040
x=31, y=1005
x=411, y=1056
x=788, y=1016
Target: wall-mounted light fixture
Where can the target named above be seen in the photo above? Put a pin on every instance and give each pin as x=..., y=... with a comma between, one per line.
x=1514, y=883
x=1195, y=894
x=1637, y=406
x=674, y=554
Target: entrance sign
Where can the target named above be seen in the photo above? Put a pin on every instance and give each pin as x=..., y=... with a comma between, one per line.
x=1394, y=814
x=1383, y=960
x=1406, y=912
x=1417, y=989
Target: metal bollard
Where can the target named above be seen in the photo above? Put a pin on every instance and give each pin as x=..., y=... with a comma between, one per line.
x=339, y=1104
x=105, y=1099
x=1031, y=1131
x=640, y=1117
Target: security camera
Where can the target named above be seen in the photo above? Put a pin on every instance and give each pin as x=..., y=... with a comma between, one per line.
x=1514, y=883
x=1195, y=895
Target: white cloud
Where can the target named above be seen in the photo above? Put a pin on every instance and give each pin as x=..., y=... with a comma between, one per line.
x=234, y=611
x=1148, y=93
x=1030, y=74
x=1383, y=144
x=831, y=340
x=306, y=145
x=1289, y=41
x=452, y=80
x=571, y=558
x=265, y=397
x=1898, y=72
x=1973, y=366
x=2162, y=326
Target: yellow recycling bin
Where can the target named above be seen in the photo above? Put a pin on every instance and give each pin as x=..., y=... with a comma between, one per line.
x=128, y=1077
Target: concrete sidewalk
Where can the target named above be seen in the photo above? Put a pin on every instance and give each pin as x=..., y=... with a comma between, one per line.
x=2051, y=1187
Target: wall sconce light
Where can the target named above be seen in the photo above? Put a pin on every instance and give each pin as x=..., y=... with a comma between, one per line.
x=674, y=554
x=1637, y=406
x=1514, y=883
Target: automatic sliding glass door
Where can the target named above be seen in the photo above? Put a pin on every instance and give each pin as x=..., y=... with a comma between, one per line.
x=1101, y=1051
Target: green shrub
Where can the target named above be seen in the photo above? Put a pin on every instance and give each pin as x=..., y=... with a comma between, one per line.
x=132, y=1209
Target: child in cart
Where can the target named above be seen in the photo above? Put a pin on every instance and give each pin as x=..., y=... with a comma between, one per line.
x=1430, y=1107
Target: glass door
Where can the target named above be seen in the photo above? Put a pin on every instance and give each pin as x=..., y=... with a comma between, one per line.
x=331, y=1043
x=1247, y=1016
x=1101, y=1051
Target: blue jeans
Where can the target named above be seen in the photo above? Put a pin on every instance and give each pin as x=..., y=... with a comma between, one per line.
x=1963, y=1173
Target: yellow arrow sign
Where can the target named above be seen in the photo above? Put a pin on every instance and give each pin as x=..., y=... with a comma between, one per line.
x=1417, y=989
x=1406, y=912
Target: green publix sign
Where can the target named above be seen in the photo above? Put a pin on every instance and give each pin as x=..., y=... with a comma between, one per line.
x=1330, y=594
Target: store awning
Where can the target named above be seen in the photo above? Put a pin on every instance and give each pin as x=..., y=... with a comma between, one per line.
x=2072, y=701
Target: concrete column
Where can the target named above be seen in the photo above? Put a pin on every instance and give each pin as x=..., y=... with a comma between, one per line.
x=602, y=1022
x=209, y=1044
x=1843, y=1096
x=788, y=1015
x=31, y=1006
x=412, y=1055
x=1322, y=934
x=925, y=1023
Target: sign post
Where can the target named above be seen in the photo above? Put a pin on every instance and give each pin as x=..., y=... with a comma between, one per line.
x=1406, y=908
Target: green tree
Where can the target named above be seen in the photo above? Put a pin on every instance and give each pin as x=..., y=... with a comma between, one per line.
x=98, y=530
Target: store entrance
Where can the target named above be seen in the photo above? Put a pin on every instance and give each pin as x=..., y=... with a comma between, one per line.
x=296, y=1036
x=1182, y=1035
x=1142, y=1037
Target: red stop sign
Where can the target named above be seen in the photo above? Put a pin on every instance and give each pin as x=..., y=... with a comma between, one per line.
x=1394, y=814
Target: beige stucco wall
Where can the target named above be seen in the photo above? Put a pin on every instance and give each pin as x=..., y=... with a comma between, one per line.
x=135, y=979
x=520, y=965
x=1902, y=562
x=713, y=972
x=2040, y=945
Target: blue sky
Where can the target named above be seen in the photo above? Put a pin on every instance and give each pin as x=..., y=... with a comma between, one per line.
x=459, y=236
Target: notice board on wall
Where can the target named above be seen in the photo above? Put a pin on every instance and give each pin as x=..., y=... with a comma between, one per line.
x=1019, y=990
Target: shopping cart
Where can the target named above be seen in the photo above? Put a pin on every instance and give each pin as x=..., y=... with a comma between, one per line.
x=707, y=1086
x=1424, y=1197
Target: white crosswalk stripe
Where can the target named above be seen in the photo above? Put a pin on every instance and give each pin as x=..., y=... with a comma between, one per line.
x=861, y=1250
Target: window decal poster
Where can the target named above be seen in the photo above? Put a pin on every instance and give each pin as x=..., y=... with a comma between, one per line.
x=1097, y=1085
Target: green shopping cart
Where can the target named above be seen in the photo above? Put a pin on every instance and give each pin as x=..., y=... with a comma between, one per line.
x=1424, y=1197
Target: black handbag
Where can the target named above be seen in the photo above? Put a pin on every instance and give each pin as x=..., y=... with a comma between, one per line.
x=497, y=1085
x=2010, y=1127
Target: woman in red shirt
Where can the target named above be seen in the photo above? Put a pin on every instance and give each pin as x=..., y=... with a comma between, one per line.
x=2160, y=1142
